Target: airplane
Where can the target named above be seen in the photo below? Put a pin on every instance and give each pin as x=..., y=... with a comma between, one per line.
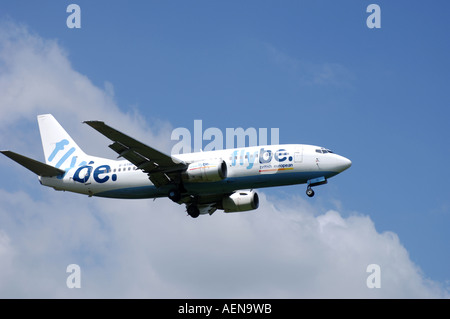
x=203, y=181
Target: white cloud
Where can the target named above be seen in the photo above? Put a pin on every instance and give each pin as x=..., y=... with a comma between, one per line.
x=36, y=77
x=148, y=248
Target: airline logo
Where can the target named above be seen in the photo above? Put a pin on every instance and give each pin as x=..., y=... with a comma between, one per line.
x=100, y=174
x=269, y=161
x=84, y=171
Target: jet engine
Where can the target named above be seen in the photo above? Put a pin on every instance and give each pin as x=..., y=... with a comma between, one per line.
x=207, y=171
x=240, y=201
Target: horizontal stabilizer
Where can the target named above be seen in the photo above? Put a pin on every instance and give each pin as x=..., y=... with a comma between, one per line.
x=36, y=167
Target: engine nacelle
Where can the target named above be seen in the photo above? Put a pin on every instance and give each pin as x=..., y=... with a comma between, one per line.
x=240, y=201
x=207, y=171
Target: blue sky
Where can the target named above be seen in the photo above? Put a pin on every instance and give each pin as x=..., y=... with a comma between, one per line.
x=313, y=69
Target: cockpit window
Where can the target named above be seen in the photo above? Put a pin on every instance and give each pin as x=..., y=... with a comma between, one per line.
x=323, y=151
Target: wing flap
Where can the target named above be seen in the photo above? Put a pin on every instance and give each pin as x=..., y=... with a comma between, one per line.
x=36, y=167
x=131, y=155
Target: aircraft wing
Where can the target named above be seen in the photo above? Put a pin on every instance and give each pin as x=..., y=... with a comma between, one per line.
x=161, y=168
x=36, y=167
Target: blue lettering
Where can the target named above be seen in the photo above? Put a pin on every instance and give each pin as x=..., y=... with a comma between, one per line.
x=58, y=147
x=72, y=165
x=262, y=154
x=74, y=161
x=280, y=152
x=76, y=176
x=233, y=159
x=104, y=169
x=265, y=157
x=82, y=163
x=242, y=158
x=251, y=159
x=65, y=157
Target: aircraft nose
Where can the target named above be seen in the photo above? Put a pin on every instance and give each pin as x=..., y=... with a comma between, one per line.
x=343, y=163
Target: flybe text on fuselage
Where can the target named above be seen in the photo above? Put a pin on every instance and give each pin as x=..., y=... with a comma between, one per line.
x=83, y=174
x=267, y=159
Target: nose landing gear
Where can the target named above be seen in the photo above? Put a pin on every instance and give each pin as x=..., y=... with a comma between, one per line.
x=309, y=191
x=315, y=182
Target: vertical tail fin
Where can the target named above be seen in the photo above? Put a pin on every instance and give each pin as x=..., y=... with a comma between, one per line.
x=59, y=148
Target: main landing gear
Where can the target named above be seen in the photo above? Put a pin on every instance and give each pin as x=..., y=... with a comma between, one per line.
x=193, y=211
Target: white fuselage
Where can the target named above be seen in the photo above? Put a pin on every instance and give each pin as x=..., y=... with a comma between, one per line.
x=250, y=167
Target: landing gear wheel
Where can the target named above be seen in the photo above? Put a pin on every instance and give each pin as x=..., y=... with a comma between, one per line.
x=309, y=192
x=174, y=195
x=193, y=211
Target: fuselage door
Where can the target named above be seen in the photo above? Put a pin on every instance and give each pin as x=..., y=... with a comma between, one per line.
x=298, y=155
